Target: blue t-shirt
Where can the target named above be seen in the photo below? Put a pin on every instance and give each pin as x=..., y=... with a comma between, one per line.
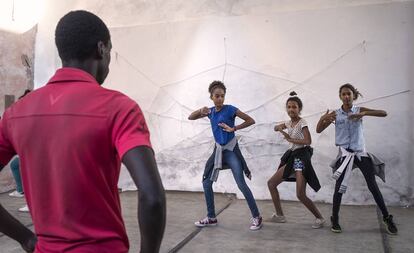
x=226, y=115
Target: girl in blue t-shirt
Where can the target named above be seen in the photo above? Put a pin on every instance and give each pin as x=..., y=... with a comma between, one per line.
x=350, y=140
x=226, y=153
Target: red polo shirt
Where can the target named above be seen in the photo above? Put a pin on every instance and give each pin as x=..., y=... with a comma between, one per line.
x=71, y=135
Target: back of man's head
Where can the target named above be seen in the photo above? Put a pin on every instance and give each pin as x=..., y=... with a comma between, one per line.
x=78, y=33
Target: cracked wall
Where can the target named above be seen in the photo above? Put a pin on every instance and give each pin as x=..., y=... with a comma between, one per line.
x=16, y=75
x=165, y=58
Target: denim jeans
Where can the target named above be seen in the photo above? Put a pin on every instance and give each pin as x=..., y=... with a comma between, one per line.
x=231, y=159
x=15, y=168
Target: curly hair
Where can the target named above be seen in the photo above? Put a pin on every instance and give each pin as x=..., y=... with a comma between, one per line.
x=214, y=85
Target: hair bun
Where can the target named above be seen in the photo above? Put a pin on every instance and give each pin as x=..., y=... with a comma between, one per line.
x=293, y=93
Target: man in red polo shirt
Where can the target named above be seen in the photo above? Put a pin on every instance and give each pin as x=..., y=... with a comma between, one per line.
x=71, y=136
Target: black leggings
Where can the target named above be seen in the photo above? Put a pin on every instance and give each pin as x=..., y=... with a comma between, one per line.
x=367, y=169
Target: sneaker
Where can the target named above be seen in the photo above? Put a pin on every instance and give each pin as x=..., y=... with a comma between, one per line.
x=256, y=223
x=206, y=222
x=16, y=194
x=390, y=225
x=24, y=209
x=277, y=219
x=336, y=228
x=318, y=223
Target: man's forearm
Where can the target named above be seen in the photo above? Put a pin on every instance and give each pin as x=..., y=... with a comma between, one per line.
x=151, y=217
x=13, y=228
x=140, y=162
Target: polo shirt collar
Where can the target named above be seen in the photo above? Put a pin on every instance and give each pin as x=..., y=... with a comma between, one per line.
x=67, y=74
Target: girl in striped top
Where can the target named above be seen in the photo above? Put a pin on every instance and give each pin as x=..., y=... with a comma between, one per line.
x=296, y=163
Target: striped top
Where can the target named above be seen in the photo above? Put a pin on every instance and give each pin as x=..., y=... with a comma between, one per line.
x=295, y=132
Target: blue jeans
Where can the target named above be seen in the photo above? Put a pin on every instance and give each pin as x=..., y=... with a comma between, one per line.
x=231, y=159
x=15, y=168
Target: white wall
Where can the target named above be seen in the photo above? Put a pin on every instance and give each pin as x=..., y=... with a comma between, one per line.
x=165, y=53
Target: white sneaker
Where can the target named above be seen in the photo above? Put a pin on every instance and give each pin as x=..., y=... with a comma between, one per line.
x=256, y=223
x=277, y=219
x=318, y=223
x=16, y=194
x=24, y=209
x=206, y=222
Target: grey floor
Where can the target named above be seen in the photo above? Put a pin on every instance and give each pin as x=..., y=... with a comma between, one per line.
x=362, y=231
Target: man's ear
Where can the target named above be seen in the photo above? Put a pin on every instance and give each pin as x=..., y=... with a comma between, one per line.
x=100, y=50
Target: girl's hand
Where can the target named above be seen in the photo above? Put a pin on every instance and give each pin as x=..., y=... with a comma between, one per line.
x=356, y=116
x=204, y=111
x=329, y=117
x=287, y=137
x=278, y=128
x=226, y=127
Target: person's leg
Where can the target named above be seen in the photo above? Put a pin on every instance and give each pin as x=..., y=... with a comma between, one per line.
x=367, y=170
x=301, y=194
x=209, y=197
x=337, y=197
x=272, y=184
x=210, y=220
x=15, y=168
x=336, y=204
x=233, y=161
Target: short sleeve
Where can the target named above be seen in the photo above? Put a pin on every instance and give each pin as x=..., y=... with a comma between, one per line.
x=211, y=112
x=129, y=128
x=304, y=123
x=6, y=149
x=232, y=110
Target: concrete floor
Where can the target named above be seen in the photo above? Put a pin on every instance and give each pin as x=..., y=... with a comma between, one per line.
x=362, y=231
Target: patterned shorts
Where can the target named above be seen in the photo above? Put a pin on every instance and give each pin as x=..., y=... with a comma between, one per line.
x=298, y=165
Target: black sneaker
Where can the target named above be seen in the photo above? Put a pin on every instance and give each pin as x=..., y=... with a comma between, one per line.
x=390, y=225
x=335, y=225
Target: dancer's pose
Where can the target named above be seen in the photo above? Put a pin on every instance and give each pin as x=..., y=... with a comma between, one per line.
x=296, y=163
x=350, y=140
x=226, y=153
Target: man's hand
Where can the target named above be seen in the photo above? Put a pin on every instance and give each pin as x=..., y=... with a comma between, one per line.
x=30, y=244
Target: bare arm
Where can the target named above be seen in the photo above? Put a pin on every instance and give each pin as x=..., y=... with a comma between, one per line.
x=14, y=229
x=372, y=112
x=279, y=127
x=200, y=113
x=141, y=164
x=248, y=121
x=325, y=120
x=307, y=140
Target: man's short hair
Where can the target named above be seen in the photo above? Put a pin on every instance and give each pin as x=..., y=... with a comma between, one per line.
x=78, y=33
